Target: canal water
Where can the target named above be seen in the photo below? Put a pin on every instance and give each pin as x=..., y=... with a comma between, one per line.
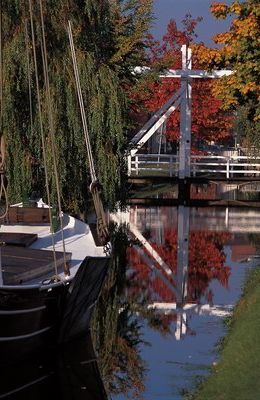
x=176, y=276
x=169, y=347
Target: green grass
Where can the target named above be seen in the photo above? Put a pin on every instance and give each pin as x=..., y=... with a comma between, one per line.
x=237, y=373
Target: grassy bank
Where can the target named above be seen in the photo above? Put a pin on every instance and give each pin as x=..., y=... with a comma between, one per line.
x=237, y=373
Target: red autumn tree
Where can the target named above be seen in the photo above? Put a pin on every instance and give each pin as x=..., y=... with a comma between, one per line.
x=209, y=121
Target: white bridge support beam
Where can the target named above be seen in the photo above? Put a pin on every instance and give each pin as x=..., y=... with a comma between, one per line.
x=155, y=122
x=185, y=117
x=188, y=309
x=191, y=308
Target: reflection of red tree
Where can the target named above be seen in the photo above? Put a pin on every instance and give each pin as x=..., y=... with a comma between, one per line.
x=206, y=262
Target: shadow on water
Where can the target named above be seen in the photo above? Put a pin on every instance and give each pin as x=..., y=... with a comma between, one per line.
x=69, y=372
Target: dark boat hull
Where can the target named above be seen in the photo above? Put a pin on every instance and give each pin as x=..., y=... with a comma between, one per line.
x=29, y=319
x=32, y=319
x=67, y=372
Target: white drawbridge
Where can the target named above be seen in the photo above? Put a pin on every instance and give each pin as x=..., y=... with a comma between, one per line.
x=182, y=98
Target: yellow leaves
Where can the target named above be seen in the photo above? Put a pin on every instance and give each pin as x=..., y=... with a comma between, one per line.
x=247, y=27
x=219, y=10
x=240, y=52
x=220, y=92
x=249, y=87
x=228, y=51
x=222, y=38
x=236, y=8
x=206, y=57
x=226, y=88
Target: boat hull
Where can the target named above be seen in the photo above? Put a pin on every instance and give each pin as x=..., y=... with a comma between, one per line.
x=29, y=319
x=33, y=319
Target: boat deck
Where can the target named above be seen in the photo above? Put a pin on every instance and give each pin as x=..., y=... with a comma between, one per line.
x=26, y=260
x=21, y=264
x=17, y=239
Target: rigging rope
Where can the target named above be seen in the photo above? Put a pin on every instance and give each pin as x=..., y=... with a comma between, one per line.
x=82, y=109
x=51, y=129
x=4, y=210
x=29, y=74
x=42, y=135
x=95, y=187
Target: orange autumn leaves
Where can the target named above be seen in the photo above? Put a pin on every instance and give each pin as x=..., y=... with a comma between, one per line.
x=239, y=51
x=213, y=101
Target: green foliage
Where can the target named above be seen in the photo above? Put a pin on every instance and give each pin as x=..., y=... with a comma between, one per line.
x=131, y=20
x=104, y=100
x=97, y=42
x=248, y=130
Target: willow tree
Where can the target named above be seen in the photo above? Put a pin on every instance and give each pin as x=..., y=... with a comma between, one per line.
x=98, y=45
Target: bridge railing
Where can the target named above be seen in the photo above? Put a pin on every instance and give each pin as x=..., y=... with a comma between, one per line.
x=153, y=164
x=201, y=165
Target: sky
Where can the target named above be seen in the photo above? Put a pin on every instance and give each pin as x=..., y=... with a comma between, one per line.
x=164, y=10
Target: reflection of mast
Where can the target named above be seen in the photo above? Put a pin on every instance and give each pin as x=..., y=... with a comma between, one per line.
x=182, y=269
x=182, y=254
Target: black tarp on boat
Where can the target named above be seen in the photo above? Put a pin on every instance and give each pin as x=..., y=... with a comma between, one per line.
x=81, y=298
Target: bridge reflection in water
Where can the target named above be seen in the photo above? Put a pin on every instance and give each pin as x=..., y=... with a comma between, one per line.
x=160, y=191
x=180, y=252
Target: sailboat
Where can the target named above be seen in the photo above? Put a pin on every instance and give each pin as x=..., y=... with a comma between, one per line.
x=49, y=280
